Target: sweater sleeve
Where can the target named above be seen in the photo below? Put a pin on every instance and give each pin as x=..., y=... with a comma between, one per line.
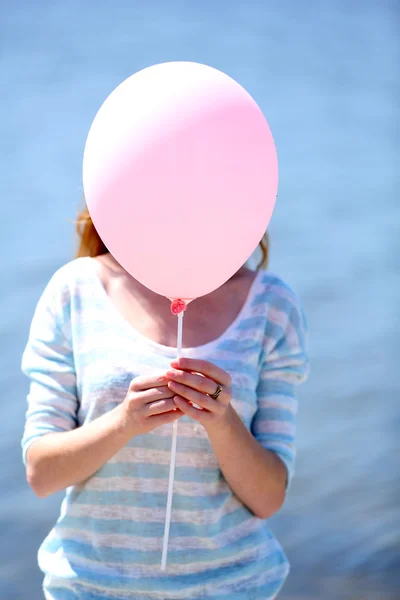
x=48, y=362
x=284, y=365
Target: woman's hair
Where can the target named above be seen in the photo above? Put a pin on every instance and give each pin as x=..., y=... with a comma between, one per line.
x=90, y=243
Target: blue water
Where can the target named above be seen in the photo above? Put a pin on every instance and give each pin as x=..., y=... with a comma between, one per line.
x=325, y=75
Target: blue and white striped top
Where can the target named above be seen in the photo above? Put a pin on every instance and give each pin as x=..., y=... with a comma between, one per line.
x=106, y=544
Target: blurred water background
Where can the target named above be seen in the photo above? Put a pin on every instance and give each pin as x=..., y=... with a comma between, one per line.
x=325, y=75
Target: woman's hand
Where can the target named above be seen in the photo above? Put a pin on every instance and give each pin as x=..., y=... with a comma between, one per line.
x=194, y=382
x=149, y=404
x=60, y=459
x=257, y=476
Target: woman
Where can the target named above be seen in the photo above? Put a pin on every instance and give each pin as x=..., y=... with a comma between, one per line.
x=104, y=391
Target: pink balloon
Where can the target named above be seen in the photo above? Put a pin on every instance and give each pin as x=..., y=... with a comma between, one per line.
x=180, y=176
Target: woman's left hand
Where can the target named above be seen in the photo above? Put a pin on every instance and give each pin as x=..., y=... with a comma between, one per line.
x=194, y=382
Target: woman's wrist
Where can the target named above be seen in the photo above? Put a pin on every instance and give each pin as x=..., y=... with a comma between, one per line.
x=124, y=425
x=256, y=475
x=224, y=423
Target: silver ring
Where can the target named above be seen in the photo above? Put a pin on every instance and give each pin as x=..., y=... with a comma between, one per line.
x=216, y=393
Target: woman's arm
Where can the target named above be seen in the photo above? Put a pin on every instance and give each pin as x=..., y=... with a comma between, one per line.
x=256, y=475
x=57, y=452
x=257, y=464
x=58, y=460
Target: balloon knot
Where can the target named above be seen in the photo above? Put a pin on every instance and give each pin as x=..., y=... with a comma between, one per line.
x=178, y=306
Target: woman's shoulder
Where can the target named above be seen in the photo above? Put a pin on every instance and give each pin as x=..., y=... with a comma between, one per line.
x=54, y=306
x=286, y=321
x=65, y=282
x=70, y=273
x=276, y=292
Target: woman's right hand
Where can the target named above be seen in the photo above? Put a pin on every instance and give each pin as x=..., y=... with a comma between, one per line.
x=64, y=458
x=149, y=404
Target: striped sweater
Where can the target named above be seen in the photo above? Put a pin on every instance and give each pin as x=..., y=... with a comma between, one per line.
x=106, y=544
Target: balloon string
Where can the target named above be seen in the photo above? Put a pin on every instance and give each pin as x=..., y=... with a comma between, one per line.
x=173, y=460
x=179, y=336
